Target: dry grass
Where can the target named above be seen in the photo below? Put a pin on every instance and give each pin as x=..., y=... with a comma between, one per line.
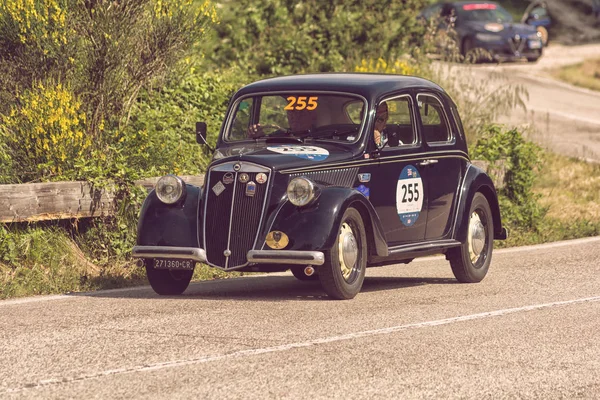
x=570, y=189
x=586, y=74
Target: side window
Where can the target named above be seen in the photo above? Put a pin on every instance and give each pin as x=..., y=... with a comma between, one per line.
x=354, y=111
x=435, y=125
x=242, y=119
x=400, y=128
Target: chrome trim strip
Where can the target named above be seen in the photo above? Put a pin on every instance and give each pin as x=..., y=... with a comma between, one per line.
x=403, y=157
x=245, y=167
x=460, y=196
x=262, y=214
x=181, y=253
x=235, y=181
x=286, y=257
x=423, y=246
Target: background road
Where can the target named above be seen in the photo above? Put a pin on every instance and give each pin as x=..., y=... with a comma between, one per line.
x=529, y=330
x=561, y=117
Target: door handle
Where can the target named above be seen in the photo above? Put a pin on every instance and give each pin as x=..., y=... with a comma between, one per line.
x=428, y=162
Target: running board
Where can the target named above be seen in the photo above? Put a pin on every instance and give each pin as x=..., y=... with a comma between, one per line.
x=433, y=245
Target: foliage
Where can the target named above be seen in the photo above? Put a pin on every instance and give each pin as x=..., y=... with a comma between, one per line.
x=380, y=65
x=160, y=136
x=45, y=133
x=274, y=37
x=519, y=160
x=103, y=53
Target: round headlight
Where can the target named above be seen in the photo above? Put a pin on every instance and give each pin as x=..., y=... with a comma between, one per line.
x=170, y=189
x=301, y=191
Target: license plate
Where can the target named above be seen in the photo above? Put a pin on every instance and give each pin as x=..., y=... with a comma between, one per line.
x=535, y=44
x=170, y=263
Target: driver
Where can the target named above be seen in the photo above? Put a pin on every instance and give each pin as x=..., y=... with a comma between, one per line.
x=298, y=121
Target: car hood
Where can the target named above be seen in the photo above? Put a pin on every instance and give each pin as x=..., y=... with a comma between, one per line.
x=510, y=28
x=284, y=156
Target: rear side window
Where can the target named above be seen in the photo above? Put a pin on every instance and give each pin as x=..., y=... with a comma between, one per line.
x=435, y=123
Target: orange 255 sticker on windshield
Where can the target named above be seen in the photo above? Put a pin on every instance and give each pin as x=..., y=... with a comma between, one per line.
x=301, y=103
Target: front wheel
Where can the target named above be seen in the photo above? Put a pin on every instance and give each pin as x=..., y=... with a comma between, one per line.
x=168, y=282
x=470, y=262
x=343, y=274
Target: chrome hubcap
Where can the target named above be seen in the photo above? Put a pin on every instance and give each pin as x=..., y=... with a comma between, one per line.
x=476, y=237
x=348, y=250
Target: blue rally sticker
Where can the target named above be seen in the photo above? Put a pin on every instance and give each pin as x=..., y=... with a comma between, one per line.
x=307, y=152
x=409, y=195
x=364, y=190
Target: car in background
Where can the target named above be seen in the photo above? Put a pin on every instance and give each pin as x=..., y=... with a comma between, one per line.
x=537, y=15
x=484, y=29
x=301, y=179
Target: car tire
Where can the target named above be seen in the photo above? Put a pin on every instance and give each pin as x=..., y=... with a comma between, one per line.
x=168, y=282
x=298, y=272
x=532, y=59
x=343, y=273
x=470, y=262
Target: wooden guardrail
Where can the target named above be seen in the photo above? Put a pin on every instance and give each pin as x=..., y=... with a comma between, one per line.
x=62, y=200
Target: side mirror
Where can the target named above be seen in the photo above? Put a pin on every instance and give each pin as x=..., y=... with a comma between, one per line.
x=201, y=132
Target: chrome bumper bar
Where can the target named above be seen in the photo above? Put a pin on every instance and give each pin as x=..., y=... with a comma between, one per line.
x=286, y=257
x=254, y=256
x=182, y=253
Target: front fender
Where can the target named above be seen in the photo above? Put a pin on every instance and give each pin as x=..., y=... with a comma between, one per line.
x=476, y=180
x=316, y=227
x=176, y=225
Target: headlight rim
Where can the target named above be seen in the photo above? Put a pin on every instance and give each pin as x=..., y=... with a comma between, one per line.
x=181, y=185
x=314, y=191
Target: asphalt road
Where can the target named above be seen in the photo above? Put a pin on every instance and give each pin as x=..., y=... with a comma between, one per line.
x=529, y=330
x=561, y=117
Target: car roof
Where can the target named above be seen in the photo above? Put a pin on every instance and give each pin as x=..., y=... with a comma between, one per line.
x=371, y=86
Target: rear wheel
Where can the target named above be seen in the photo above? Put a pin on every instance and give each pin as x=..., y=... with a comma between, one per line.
x=470, y=262
x=168, y=282
x=343, y=274
x=300, y=275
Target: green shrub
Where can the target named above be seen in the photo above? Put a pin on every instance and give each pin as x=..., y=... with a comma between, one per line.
x=519, y=161
x=275, y=37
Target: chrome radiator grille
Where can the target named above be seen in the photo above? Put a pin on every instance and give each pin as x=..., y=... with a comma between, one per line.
x=232, y=216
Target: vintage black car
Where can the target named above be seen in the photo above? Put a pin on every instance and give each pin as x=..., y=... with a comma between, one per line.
x=487, y=26
x=326, y=175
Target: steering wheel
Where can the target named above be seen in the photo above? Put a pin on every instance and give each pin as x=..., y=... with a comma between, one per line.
x=259, y=130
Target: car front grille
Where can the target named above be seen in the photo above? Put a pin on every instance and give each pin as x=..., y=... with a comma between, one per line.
x=232, y=217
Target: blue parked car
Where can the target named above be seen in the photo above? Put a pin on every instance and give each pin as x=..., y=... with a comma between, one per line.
x=486, y=25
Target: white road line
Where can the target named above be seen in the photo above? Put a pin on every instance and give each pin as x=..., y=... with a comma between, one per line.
x=565, y=115
x=291, y=346
x=36, y=299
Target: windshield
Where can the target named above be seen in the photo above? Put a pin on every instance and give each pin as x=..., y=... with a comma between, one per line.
x=299, y=117
x=484, y=12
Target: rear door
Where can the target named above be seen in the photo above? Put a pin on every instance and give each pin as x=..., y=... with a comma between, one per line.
x=443, y=166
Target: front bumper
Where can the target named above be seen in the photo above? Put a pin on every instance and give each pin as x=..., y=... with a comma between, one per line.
x=254, y=256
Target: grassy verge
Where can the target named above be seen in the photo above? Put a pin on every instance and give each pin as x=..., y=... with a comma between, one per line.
x=569, y=190
x=586, y=74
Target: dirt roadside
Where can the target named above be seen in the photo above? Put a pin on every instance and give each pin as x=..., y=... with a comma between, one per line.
x=558, y=116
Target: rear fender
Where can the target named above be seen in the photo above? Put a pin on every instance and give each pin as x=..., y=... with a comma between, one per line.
x=176, y=225
x=315, y=227
x=476, y=180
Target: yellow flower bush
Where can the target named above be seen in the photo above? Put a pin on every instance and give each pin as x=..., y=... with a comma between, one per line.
x=45, y=132
x=382, y=66
x=37, y=21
